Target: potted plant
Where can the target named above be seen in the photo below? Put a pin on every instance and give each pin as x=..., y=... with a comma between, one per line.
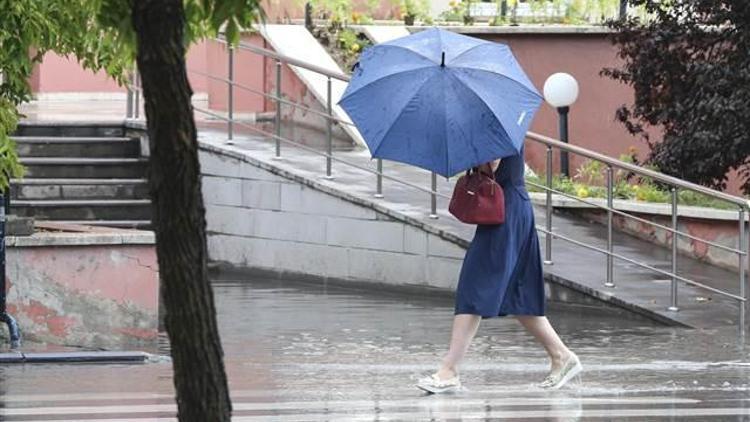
x=413, y=9
x=468, y=19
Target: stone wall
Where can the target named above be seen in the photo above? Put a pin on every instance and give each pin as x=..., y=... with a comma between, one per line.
x=266, y=222
x=257, y=219
x=90, y=290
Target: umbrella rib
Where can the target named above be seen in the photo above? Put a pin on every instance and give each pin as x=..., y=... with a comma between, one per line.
x=348, y=94
x=385, y=135
x=407, y=49
x=502, y=76
x=487, y=106
x=483, y=43
x=445, y=128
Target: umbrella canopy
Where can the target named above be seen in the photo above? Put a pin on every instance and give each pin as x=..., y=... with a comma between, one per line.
x=441, y=101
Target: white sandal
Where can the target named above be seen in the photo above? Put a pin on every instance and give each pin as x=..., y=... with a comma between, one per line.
x=433, y=384
x=570, y=369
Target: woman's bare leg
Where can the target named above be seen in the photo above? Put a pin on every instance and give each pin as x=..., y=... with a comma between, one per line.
x=542, y=330
x=464, y=329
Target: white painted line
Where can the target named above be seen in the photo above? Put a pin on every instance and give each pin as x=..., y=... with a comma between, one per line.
x=13, y=398
x=365, y=405
x=483, y=415
x=511, y=415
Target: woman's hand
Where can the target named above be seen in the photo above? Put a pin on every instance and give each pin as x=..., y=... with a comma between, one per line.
x=495, y=164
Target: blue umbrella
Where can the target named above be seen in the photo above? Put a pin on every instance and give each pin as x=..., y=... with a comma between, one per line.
x=441, y=101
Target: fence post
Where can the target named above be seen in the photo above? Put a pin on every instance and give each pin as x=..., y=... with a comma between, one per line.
x=230, y=96
x=433, y=197
x=129, y=98
x=137, y=105
x=548, y=222
x=278, y=109
x=675, y=239
x=379, y=187
x=610, y=216
x=329, y=129
x=743, y=241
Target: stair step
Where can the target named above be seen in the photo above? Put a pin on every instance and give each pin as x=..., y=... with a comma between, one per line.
x=133, y=209
x=123, y=224
x=69, y=129
x=81, y=202
x=93, y=147
x=46, y=167
x=51, y=189
x=76, y=181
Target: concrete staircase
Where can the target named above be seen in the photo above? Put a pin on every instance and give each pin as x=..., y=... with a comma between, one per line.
x=81, y=174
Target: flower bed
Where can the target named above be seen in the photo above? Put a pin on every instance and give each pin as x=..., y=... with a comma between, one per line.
x=589, y=182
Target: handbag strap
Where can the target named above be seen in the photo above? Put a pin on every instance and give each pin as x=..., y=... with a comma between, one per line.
x=484, y=169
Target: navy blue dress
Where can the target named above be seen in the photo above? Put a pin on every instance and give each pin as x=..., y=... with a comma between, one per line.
x=502, y=271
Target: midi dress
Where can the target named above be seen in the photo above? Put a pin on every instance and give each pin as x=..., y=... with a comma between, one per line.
x=502, y=270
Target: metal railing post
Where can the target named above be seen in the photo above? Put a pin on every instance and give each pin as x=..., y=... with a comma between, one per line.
x=329, y=128
x=278, y=109
x=129, y=98
x=379, y=187
x=137, y=105
x=742, y=261
x=675, y=239
x=230, y=94
x=433, y=197
x=548, y=235
x=610, y=240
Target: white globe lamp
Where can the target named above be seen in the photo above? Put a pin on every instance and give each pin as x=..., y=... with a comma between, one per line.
x=561, y=91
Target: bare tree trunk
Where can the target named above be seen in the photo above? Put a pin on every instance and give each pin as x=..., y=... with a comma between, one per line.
x=178, y=213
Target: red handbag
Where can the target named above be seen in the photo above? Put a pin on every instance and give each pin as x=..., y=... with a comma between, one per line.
x=477, y=198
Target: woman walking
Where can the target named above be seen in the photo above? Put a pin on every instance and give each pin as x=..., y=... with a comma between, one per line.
x=502, y=275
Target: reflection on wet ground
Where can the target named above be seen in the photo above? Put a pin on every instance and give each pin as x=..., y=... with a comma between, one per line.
x=303, y=352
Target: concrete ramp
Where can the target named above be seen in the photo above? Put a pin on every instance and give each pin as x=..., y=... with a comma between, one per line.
x=297, y=42
x=383, y=33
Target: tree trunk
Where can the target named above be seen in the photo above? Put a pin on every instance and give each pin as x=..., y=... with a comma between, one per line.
x=178, y=213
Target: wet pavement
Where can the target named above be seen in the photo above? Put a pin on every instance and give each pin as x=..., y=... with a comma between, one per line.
x=304, y=352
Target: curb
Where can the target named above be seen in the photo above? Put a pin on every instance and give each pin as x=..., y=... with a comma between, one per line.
x=74, y=357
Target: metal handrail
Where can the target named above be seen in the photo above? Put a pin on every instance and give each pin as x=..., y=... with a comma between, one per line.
x=743, y=251
x=638, y=219
x=642, y=265
x=670, y=180
x=273, y=97
x=288, y=60
x=322, y=154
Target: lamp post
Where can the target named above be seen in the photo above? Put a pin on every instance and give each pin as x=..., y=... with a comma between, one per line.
x=561, y=91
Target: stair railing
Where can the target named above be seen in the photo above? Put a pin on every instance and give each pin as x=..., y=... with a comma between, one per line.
x=742, y=250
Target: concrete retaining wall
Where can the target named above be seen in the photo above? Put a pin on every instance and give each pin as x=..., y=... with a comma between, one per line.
x=85, y=289
x=261, y=220
x=272, y=224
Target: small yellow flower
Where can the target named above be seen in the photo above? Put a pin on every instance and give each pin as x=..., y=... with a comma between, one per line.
x=354, y=48
x=582, y=192
x=632, y=150
x=452, y=3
